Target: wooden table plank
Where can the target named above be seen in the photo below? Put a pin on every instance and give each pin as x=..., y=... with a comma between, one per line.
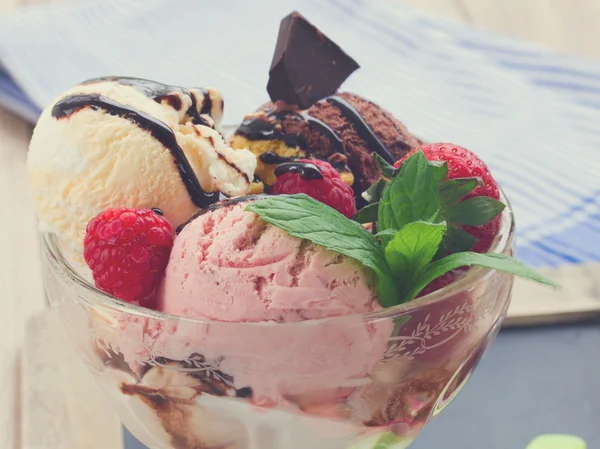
x=20, y=270
x=20, y=274
x=564, y=25
x=65, y=409
x=577, y=300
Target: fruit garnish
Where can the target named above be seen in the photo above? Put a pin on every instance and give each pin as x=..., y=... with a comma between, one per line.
x=408, y=251
x=127, y=251
x=463, y=198
x=319, y=180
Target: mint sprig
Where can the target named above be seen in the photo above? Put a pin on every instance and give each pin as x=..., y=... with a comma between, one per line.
x=387, y=170
x=453, y=190
x=475, y=211
x=306, y=218
x=412, y=249
x=457, y=240
x=412, y=195
x=367, y=214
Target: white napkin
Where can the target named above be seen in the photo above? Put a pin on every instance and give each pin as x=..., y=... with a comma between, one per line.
x=532, y=114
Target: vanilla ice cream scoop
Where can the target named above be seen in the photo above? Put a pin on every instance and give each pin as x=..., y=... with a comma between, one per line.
x=124, y=142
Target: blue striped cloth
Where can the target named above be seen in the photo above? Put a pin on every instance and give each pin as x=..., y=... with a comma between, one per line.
x=531, y=113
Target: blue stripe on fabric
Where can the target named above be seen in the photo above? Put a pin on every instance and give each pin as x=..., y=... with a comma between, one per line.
x=565, y=85
x=15, y=100
x=589, y=104
x=544, y=68
x=578, y=208
x=578, y=239
x=536, y=258
x=495, y=48
x=580, y=242
x=562, y=255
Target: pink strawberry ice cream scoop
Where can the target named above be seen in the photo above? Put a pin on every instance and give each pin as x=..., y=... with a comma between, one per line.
x=229, y=265
x=284, y=317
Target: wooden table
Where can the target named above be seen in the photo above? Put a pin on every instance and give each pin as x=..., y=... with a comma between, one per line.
x=556, y=23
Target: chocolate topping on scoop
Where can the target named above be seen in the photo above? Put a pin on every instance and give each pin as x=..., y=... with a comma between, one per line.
x=160, y=131
x=159, y=92
x=301, y=49
x=343, y=129
x=305, y=169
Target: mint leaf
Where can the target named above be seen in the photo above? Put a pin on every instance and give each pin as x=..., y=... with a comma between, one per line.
x=457, y=240
x=387, y=232
x=411, y=196
x=367, y=214
x=440, y=170
x=434, y=218
x=498, y=262
x=385, y=236
x=373, y=193
x=412, y=249
x=387, y=170
x=306, y=218
x=453, y=190
x=475, y=211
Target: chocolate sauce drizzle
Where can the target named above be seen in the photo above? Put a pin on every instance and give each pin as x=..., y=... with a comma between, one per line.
x=271, y=158
x=265, y=127
x=362, y=127
x=305, y=169
x=159, y=91
x=338, y=143
x=173, y=100
x=223, y=203
x=160, y=131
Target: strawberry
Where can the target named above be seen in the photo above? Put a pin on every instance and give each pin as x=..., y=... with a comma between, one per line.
x=127, y=251
x=462, y=164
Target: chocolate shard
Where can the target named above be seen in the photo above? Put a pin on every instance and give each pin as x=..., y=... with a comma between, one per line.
x=307, y=66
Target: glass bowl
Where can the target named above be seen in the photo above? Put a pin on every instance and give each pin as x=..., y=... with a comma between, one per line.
x=353, y=382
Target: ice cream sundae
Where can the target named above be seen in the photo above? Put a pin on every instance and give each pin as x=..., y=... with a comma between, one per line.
x=323, y=280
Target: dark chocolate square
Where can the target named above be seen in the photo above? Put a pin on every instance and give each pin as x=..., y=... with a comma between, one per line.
x=307, y=66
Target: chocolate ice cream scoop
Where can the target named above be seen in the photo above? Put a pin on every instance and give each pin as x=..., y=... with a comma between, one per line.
x=343, y=129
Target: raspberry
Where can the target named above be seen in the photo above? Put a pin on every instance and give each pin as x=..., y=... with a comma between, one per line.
x=330, y=189
x=463, y=163
x=127, y=251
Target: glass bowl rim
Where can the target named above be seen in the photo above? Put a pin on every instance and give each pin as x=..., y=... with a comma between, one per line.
x=61, y=266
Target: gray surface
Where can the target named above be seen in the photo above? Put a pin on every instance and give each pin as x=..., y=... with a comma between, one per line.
x=533, y=381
